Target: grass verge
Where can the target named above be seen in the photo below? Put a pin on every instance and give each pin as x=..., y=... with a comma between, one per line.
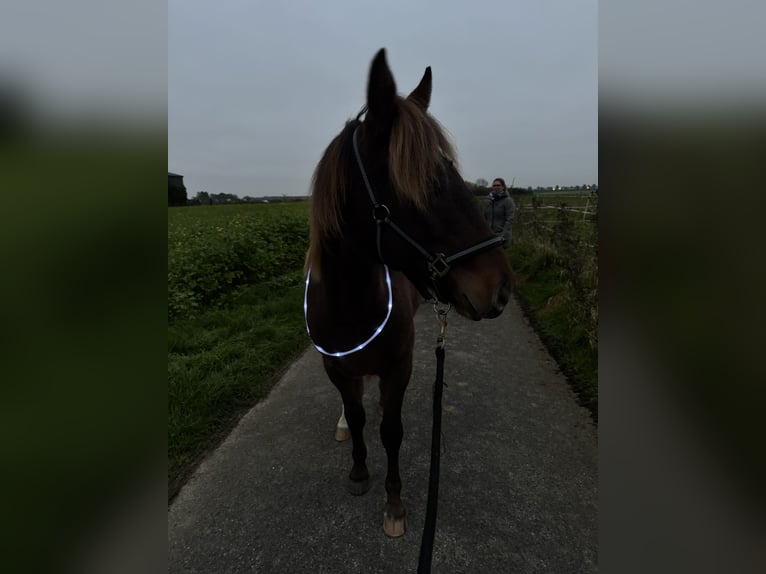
x=223, y=361
x=557, y=313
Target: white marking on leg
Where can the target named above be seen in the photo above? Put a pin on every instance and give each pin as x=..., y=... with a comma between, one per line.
x=341, y=430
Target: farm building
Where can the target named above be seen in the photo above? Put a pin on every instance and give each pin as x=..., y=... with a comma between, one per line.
x=176, y=189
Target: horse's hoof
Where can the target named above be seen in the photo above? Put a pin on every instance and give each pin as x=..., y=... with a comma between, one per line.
x=342, y=434
x=359, y=487
x=394, y=527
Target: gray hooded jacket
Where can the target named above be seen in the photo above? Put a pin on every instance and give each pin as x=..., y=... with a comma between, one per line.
x=498, y=213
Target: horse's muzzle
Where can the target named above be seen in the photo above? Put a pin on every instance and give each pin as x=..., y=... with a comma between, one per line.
x=481, y=292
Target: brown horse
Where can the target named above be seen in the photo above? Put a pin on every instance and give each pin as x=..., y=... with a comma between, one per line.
x=391, y=222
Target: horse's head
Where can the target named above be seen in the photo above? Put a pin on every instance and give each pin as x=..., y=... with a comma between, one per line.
x=402, y=201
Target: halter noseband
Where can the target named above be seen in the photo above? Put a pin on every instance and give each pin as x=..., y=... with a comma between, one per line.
x=438, y=264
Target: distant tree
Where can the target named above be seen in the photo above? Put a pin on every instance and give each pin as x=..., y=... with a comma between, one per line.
x=477, y=189
x=176, y=194
x=481, y=182
x=202, y=198
x=219, y=198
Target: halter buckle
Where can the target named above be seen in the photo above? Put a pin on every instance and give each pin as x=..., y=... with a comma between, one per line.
x=438, y=266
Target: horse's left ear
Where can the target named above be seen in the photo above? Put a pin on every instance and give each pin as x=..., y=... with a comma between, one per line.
x=381, y=92
x=422, y=94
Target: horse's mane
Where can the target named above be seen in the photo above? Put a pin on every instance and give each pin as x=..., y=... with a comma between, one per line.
x=419, y=150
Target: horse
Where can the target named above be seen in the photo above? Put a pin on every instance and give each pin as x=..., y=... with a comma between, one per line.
x=392, y=223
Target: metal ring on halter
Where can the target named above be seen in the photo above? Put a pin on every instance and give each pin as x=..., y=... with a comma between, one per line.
x=380, y=212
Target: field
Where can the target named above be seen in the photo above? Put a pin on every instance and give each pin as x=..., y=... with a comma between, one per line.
x=235, y=315
x=213, y=250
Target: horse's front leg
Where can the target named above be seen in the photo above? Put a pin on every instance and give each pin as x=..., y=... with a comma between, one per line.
x=391, y=433
x=342, y=433
x=351, y=391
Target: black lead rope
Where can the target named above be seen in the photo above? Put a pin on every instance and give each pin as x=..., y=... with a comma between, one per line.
x=429, y=528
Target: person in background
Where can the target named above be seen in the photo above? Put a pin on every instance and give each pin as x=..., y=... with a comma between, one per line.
x=499, y=210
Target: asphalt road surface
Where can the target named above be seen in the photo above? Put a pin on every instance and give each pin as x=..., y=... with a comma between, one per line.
x=519, y=477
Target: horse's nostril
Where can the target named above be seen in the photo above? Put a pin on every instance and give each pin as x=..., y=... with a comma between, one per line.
x=473, y=313
x=503, y=293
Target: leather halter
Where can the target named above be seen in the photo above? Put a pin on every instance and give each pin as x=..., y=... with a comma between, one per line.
x=438, y=264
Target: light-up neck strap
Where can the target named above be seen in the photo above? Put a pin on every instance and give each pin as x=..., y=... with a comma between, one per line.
x=362, y=345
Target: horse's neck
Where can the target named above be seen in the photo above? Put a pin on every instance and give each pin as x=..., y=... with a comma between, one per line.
x=349, y=284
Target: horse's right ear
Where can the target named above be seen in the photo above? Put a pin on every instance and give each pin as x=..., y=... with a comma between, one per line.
x=422, y=94
x=381, y=92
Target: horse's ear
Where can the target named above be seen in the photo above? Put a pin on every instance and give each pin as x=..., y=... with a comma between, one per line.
x=422, y=94
x=381, y=92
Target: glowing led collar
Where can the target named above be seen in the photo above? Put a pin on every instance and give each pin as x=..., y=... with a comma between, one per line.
x=358, y=347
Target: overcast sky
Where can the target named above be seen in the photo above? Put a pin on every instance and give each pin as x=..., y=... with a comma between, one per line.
x=256, y=90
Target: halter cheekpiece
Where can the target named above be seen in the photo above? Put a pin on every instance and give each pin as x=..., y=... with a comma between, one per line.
x=438, y=264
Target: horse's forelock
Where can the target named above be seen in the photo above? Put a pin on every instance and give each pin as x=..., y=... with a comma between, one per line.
x=419, y=150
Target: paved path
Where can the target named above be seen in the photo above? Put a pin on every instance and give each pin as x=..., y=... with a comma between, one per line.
x=518, y=490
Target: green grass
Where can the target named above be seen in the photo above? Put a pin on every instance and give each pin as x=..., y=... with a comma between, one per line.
x=223, y=361
x=235, y=312
x=554, y=259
